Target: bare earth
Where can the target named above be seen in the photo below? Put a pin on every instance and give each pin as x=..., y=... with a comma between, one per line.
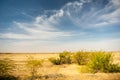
x=70, y=71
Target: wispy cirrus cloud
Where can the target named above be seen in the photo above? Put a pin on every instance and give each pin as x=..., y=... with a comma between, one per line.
x=41, y=28
x=93, y=16
x=68, y=28
x=76, y=13
x=35, y=32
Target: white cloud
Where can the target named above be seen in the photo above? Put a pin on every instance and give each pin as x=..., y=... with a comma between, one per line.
x=100, y=24
x=40, y=33
x=112, y=17
x=94, y=18
x=41, y=28
x=110, y=14
x=44, y=27
x=36, y=35
x=14, y=36
x=116, y=2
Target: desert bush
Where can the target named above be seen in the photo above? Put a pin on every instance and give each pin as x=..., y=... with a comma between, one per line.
x=102, y=62
x=81, y=57
x=55, y=61
x=6, y=66
x=114, y=68
x=33, y=66
x=65, y=57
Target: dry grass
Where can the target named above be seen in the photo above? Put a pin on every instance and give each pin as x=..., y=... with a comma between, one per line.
x=70, y=71
x=116, y=57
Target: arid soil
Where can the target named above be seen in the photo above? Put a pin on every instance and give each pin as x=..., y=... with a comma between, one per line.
x=71, y=72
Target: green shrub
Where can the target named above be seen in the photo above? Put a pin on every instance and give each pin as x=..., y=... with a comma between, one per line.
x=65, y=57
x=55, y=61
x=81, y=57
x=33, y=66
x=6, y=66
x=102, y=62
x=114, y=68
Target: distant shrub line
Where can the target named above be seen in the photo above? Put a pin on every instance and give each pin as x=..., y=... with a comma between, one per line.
x=66, y=57
x=98, y=61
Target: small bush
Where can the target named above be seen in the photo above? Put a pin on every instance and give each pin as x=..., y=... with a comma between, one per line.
x=114, y=68
x=6, y=66
x=55, y=61
x=81, y=57
x=33, y=66
x=102, y=62
x=65, y=57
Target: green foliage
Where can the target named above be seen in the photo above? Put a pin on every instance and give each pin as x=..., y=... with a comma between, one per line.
x=114, y=68
x=97, y=61
x=33, y=65
x=55, y=61
x=102, y=62
x=81, y=57
x=6, y=66
x=65, y=57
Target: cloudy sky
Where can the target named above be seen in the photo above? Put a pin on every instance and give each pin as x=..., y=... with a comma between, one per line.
x=57, y=25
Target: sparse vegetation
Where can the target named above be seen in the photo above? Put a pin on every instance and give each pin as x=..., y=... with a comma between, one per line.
x=81, y=57
x=6, y=69
x=33, y=66
x=102, y=62
x=114, y=68
x=65, y=57
x=6, y=66
x=55, y=61
x=98, y=61
x=66, y=66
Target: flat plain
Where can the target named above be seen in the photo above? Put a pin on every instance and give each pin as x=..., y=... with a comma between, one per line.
x=64, y=72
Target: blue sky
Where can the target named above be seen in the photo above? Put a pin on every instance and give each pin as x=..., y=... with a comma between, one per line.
x=57, y=25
